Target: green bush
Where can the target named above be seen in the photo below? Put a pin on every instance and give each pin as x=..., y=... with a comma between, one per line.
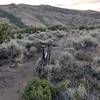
x=86, y=27
x=57, y=27
x=19, y=36
x=4, y=32
x=82, y=27
x=32, y=29
x=42, y=90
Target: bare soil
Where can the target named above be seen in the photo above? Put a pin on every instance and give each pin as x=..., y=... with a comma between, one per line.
x=14, y=80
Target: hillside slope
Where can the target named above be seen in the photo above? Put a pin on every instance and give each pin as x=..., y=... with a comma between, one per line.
x=44, y=15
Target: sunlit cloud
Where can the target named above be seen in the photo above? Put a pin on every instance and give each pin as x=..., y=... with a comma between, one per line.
x=84, y=1
x=86, y=6
x=83, y=5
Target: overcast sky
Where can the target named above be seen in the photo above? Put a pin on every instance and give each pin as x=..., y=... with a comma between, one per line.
x=73, y=4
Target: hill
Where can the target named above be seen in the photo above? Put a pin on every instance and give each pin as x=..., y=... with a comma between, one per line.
x=44, y=15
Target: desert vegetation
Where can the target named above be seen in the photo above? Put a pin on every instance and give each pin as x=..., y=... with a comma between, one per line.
x=73, y=72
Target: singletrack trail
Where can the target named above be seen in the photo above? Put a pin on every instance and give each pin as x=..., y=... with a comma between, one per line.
x=12, y=82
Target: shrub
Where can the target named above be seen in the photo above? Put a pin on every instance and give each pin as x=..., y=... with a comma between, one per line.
x=19, y=36
x=80, y=93
x=91, y=83
x=83, y=56
x=82, y=27
x=86, y=27
x=89, y=42
x=57, y=27
x=32, y=30
x=86, y=42
x=10, y=51
x=42, y=90
x=96, y=61
x=4, y=32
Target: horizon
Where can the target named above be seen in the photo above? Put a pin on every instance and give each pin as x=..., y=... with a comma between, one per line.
x=75, y=5
x=51, y=6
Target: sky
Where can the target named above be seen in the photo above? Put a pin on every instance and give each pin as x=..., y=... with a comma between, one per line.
x=71, y=4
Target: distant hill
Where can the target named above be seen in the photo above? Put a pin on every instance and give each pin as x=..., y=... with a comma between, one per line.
x=44, y=15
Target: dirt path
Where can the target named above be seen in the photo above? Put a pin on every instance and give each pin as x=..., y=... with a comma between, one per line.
x=15, y=81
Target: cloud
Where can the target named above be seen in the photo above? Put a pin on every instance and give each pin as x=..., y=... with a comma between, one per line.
x=76, y=2
x=82, y=5
x=85, y=6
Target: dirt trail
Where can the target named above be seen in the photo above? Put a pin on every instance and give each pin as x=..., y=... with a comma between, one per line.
x=16, y=81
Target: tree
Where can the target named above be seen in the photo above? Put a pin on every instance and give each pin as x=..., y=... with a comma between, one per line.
x=4, y=32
